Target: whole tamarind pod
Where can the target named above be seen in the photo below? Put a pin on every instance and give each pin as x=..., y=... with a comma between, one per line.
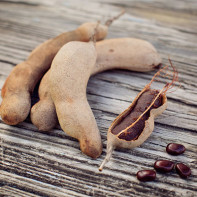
x=69, y=74
x=126, y=53
x=134, y=125
x=43, y=114
x=118, y=53
x=19, y=85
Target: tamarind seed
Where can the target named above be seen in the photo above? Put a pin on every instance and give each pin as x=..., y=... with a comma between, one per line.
x=183, y=170
x=146, y=175
x=175, y=149
x=164, y=166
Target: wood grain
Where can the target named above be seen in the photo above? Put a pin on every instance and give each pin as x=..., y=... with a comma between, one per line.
x=34, y=163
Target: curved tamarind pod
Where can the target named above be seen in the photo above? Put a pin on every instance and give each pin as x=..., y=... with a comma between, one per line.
x=126, y=53
x=114, y=141
x=134, y=125
x=17, y=88
x=123, y=53
x=43, y=114
x=20, y=83
x=69, y=74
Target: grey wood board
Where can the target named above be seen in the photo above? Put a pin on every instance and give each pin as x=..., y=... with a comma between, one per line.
x=34, y=163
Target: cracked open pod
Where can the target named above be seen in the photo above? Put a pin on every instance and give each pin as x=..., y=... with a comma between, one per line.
x=134, y=125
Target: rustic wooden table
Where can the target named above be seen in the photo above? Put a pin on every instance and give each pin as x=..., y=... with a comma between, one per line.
x=34, y=163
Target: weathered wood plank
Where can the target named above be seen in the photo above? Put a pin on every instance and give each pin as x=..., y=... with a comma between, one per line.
x=39, y=161
x=34, y=163
x=13, y=192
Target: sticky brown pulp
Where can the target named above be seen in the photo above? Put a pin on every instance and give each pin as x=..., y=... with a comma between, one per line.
x=141, y=105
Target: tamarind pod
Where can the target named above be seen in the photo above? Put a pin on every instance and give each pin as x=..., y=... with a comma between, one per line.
x=134, y=125
x=123, y=53
x=43, y=114
x=69, y=74
x=19, y=85
x=126, y=53
x=113, y=141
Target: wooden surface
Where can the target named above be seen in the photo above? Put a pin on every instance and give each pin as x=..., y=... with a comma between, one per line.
x=34, y=163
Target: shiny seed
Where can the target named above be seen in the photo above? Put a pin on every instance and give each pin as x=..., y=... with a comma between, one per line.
x=175, y=149
x=183, y=170
x=146, y=175
x=164, y=166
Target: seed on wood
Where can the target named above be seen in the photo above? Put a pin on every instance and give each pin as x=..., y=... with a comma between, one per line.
x=164, y=166
x=146, y=175
x=175, y=149
x=183, y=170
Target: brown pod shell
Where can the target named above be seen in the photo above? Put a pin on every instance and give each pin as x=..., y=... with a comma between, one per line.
x=114, y=142
x=149, y=125
x=134, y=125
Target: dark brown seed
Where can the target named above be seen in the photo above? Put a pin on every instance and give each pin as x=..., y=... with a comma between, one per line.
x=175, y=149
x=146, y=175
x=164, y=166
x=183, y=170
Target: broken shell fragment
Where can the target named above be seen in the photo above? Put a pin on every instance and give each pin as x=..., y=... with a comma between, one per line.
x=115, y=141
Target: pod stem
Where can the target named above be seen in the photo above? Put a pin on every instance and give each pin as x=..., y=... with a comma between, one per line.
x=110, y=21
x=93, y=37
x=108, y=156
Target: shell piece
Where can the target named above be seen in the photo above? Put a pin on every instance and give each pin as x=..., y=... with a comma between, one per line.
x=122, y=138
x=149, y=125
x=113, y=141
